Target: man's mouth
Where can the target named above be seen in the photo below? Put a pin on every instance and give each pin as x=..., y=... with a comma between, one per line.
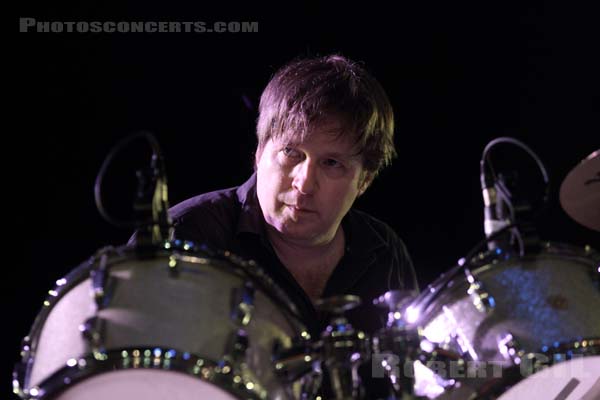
x=299, y=209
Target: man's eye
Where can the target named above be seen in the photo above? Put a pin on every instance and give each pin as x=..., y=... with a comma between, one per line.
x=290, y=152
x=330, y=162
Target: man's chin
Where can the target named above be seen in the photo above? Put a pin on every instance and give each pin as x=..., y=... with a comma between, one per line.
x=302, y=236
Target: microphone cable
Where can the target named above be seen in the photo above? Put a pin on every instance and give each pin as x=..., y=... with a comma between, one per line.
x=157, y=162
x=504, y=193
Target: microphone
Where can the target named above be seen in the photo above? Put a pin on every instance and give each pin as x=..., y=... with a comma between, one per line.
x=152, y=204
x=162, y=224
x=503, y=208
x=493, y=211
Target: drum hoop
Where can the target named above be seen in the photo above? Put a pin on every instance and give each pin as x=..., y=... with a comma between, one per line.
x=219, y=373
x=185, y=250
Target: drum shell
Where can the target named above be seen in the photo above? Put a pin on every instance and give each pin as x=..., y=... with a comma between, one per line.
x=540, y=300
x=147, y=303
x=542, y=304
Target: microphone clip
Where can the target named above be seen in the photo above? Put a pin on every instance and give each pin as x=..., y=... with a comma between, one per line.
x=151, y=206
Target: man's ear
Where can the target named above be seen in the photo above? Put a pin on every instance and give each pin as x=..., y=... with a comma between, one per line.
x=366, y=181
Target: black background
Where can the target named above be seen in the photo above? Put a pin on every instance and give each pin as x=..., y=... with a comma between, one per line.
x=457, y=76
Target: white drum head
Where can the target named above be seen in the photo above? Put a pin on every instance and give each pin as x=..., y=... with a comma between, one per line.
x=144, y=384
x=577, y=379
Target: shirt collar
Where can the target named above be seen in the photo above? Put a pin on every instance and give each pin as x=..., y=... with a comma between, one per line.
x=251, y=219
x=361, y=238
x=362, y=243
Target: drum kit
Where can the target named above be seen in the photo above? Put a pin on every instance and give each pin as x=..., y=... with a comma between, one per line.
x=503, y=323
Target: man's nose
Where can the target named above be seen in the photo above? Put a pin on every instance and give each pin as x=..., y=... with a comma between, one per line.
x=305, y=178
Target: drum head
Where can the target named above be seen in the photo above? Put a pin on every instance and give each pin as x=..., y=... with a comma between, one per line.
x=144, y=384
x=577, y=379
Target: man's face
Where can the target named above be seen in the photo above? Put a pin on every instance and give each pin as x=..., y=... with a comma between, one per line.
x=305, y=188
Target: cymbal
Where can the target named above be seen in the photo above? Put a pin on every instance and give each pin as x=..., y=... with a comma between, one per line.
x=580, y=192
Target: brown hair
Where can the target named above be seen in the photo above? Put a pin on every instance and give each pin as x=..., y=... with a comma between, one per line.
x=310, y=91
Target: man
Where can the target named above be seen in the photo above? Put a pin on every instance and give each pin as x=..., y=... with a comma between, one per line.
x=325, y=130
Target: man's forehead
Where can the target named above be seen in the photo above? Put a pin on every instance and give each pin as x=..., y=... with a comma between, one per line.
x=335, y=139
x=326, y=133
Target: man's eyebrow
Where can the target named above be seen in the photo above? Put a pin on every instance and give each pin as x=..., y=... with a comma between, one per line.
x=352, y=154
x=343, y=156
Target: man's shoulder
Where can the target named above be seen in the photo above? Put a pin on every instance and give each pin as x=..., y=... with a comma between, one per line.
x=208, y=218
x=218, y=201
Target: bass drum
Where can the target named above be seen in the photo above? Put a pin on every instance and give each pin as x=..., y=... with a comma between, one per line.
x=511, y=318
x=174, y=322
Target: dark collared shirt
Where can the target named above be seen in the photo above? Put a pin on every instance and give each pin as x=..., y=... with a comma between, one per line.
x=375, y=259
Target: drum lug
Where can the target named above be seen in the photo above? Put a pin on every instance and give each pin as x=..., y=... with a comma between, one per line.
x=99, y=278
x=510, y=348
x=173, y=267
x=243, y=305
x=241, y=315
x=92, y=331
x=481, y=298
x=25, y=348
x=236, y=347
x=292, y=363
x=20, y=370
